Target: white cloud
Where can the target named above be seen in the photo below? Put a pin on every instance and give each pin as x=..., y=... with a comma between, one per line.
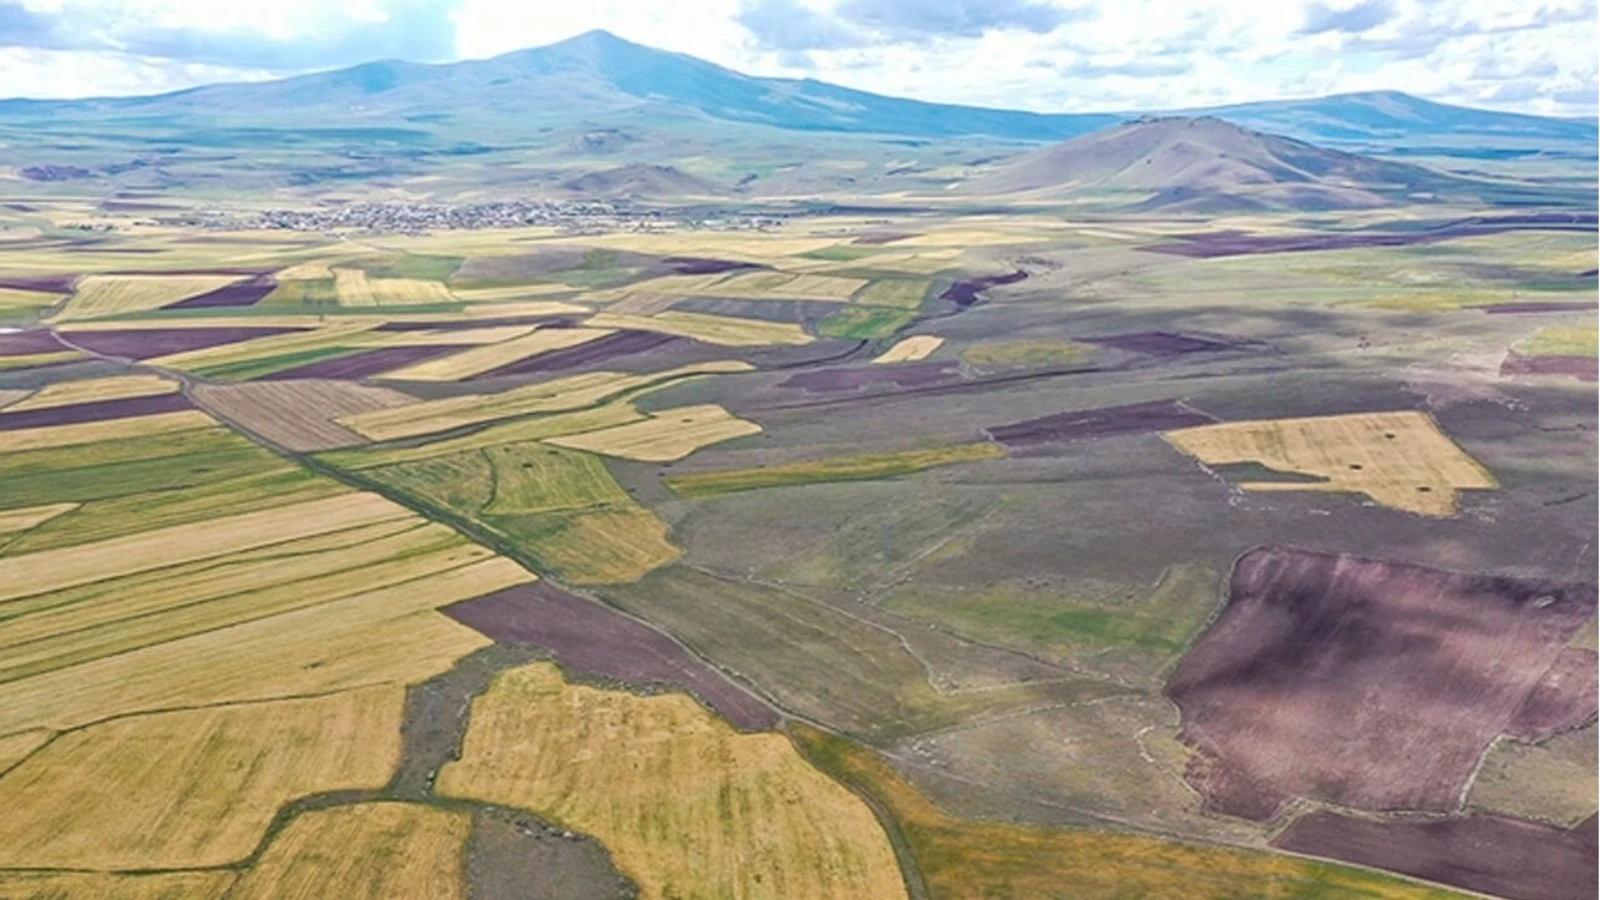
x=1047, y=55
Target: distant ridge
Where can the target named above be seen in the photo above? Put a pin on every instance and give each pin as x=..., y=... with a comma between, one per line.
x=1206, y=165
x=598, y=77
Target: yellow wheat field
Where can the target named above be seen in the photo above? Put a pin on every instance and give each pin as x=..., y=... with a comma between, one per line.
x=14, y=748
x=910, y=350
x=93, y=390
x=299, y=413
x=48, y=570
x=1399, y=459
x=109, y=295
x=688, y=806
x=726, y=331
x=14, y=299
x=560, y=395
x=535, y=429
x=272, y=345
x=408, y=292
x=191, y=788
x=353, y=288
x=106, y=886
x=668, y=435
x=479, y=360
x=15, y=520
x=29, y=360
x=369, y=851
x=511, y=293
x=108, y=430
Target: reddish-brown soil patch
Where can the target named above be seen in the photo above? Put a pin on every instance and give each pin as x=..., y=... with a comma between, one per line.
x=1489, y=854
x=145, y=343
x=965, y=293
x=623, y=343
x=854, y=379
x=1370, y=684
x=26, y=343
x=1583, y=368
x=694, y=265
x=364, y=363
x=1549, y=306
x=1566, y=697
x=1158, y=343
x=1084, y=424
x=591, y=638
x=94, y=412
x=241, y=293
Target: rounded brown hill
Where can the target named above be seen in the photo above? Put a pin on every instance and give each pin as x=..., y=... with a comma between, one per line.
x=1207, y=165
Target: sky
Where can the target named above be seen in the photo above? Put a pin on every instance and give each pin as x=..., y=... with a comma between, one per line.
x=1535, y=56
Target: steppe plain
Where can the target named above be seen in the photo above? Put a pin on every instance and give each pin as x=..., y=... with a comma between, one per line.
x=952, y=547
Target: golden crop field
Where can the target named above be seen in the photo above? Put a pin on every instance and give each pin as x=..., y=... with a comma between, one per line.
x=191, y=788
x=105, y=886
x=367, y=851
x=459, y=337
x=13, y=300
x=406, y=292
x=353, y=288
x=687, y=806
x=94, y=390
x=726, y=331
x=668, y=435
x=30, y=360
x=763, y=285
x=15, y=520
x=479, y=360
x=974, y=859
x=98, y=432
x=14, y=748
x=1399, y=459
x=560, y=395
x=108, y=295
x=604, y=416
x=909, y=350
x=696, y=485
x=49, y=570
x=299, y=414
x=256, y=348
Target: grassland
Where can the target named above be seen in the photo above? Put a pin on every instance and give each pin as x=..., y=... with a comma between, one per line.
x=1577, y=340
x=1399, y=459
x=190, y=788
x=1553, y=779
x=688, y=806
x=98, y=296
x=1000, y=354
x=560, y=395
x=666, y=436
x=901, y=293
x=866, y=467
x=909, y=350
x=94, y=390
x=532, y=429
x=726, y=331
x=368, y=851
x=866, y=323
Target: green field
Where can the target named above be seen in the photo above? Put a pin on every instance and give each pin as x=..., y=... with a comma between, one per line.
x=868, y=467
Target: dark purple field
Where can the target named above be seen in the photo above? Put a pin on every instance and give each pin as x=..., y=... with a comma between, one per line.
x=1084, y=424
x=854, y=379
x=241, y=293
x=623, y=343
x=144, y=343
x=694, y=265
x=965, y=293
x=1157, y=343
x=591, y=638
x=1583, y=368
x=25, y=343
x=94, y=412
x=888, y=237
x=1489, y=854
x=52, y=284
x=362, y=364
x=1231, y=791
x=1500, y=309
x=1371, y=684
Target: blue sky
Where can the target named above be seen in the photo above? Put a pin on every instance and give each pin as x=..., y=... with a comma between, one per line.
x=1535, y=56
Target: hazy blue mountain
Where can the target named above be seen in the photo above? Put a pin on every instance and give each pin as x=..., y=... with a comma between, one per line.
x=598, y=77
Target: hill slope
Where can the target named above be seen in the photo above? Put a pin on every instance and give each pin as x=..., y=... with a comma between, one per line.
x=1206, y=165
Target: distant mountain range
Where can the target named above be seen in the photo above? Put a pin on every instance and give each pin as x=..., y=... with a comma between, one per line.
x=598, y=77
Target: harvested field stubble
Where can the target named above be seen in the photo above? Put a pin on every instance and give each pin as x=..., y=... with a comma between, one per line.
x=1399, y=459
x=688, y=806
x=910, y=350
x=107, y=295
x=102, y=886
x=299, y=414
x=666, y=436
x=192, y=788
x=1369, y=684
x=617, y=344
x=478, y=360
x=962, y=859
x=367, y=851
x=93, y=390
x=588, y=637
